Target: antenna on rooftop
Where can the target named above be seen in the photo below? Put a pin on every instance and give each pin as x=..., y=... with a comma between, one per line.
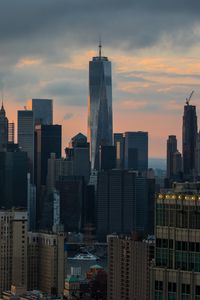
x=100, y=46
x=189, y=98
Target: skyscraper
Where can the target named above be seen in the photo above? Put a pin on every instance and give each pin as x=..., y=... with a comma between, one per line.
x=13, y=250
x=129, y=260
x=176, y=274
x=47, y=141
x=136, y=150
x=46, y=262
x=100, y=129
x=11, y=132
x=122, y=202
x=3, y=128
x=25, y=136
x=189, y=138
x=171, y=149
x=13, y=179
x=42, y=110
x=119, y=144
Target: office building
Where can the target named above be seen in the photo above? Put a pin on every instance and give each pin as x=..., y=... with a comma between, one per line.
x=57, y=167
x=197, y=155
x=122, y=203
x=189, y=132
x=176, y=274
x=46, y=262
x=72, y=193
x=171, y=149
x=78, y=154
x=136, y=150
x=47, y=141
x=129, y=260
x=177, y=165
x=11, y=132
x=13, y=179
x=3, y=129
x=107, y=157
x=13, y=250
x=42, y=111
x=31, y=204
x=119, y=144
x=100, y=128
x=25, y=136
x=76, y=163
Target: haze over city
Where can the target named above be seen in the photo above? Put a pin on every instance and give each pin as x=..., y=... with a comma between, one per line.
x=154, y=48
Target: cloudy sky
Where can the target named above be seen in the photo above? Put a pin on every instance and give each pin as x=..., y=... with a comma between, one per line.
x=154, y=46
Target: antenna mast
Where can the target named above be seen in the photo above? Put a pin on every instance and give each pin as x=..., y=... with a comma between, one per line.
x=189, y=98
x=100, y=46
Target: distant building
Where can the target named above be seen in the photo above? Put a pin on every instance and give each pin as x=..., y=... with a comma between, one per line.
x=107, y=157
x=25, y=136
x=72, y=193
x=13, y=250
x=100, y=124
x=136, y=150
x=31, y=204
x=119, y=144
x=72, y=287
x=57, y=167
x=177, y=164
x=3, y=129
x=197, y=155
x=171, y=149
x=42, y=110
x=189, y=132
x=46, y=262
x=129, y=263
x=11, y=132
x=13, y=179
x=78, y=154
x=47, y=141
x=176, y=274
x=121, y=203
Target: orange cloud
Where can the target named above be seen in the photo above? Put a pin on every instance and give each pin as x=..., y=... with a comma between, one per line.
x=24, y=62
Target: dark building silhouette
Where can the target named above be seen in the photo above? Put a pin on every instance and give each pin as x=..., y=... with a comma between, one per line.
x=47, y=141
x=119, y=144
x=42, y=110
x=25, y=136
x=13, y=179
x=189, y=133
x=139, y=156
x=3, y=128
x=72, y=192
x=122, y=202
x=171, y=149
x=78, y=155
x=107, y=157
x=11, y=133
x=133, y=159
x=100, y=127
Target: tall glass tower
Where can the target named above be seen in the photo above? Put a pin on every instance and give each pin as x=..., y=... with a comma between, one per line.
x=100, y=129
x=189, y=138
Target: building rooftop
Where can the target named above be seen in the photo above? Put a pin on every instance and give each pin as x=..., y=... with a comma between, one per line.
x=98, y=267
x=72, y=279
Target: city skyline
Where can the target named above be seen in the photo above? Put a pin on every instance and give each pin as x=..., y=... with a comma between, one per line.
x=155, y=67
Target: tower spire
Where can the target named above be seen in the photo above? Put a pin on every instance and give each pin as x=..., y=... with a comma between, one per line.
x=100, y=46
x=2, y=99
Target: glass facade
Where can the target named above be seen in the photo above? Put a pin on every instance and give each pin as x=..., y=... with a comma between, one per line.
x=100, y=129
x=177, y=251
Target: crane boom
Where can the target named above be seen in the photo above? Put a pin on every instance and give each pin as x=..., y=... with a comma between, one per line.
x=188, y=99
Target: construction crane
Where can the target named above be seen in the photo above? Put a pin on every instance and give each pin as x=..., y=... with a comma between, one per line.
x=188, y=99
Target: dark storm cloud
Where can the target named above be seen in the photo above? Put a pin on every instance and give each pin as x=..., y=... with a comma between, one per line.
x=53, y=29
x=141, y=21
